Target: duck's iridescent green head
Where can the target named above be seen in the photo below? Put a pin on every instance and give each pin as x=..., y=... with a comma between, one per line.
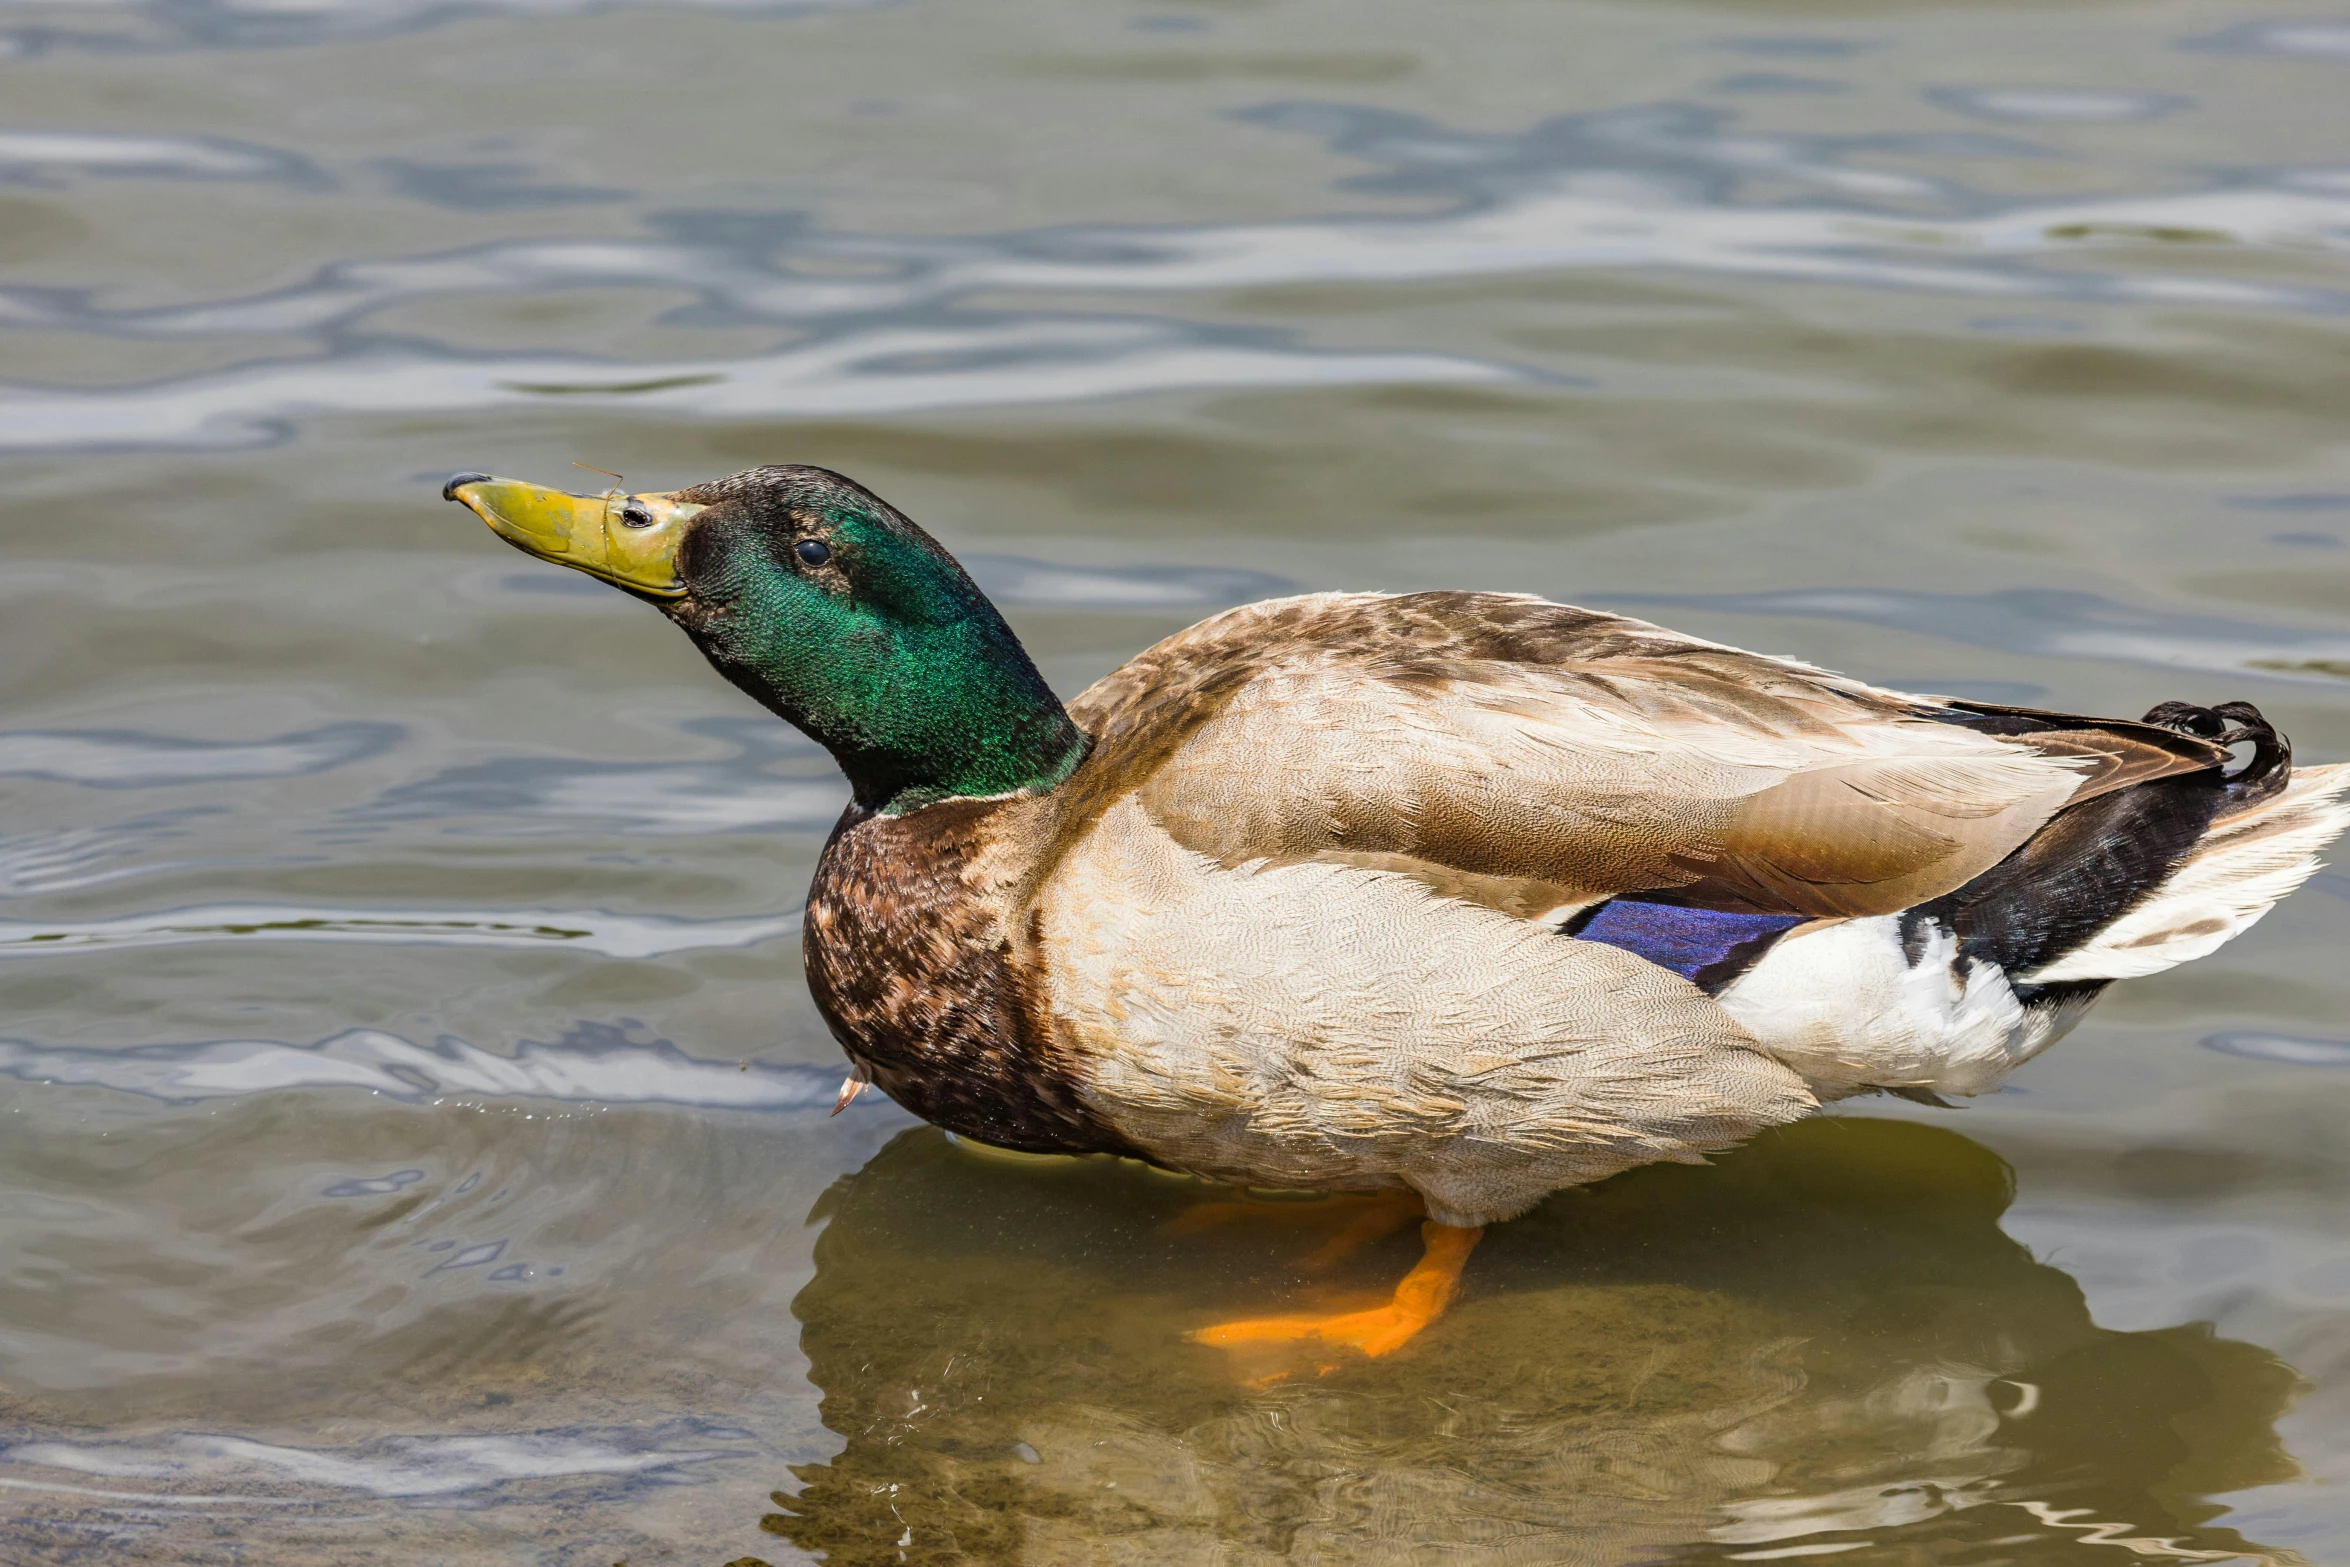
x=829, y=607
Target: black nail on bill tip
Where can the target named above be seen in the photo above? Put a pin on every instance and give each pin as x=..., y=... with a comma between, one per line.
x=449, y=490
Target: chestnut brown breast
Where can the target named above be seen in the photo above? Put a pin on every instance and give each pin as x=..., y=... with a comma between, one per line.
x=914, y=967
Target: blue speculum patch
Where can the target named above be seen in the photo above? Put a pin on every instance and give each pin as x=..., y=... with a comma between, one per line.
x=1687, y=941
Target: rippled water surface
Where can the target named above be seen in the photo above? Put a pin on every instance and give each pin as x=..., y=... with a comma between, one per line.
x=415, y=1146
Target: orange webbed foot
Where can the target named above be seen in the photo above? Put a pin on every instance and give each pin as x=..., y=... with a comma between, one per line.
x=1419, y=1300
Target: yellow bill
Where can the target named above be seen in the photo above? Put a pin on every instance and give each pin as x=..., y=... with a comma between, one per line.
x=628, y=540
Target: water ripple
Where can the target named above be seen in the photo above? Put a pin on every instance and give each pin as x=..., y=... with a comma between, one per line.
x=551, y=794
x=130, y=759
x=115, y=26
x=487, y=187
x=588, y=930
x=2292, y=1049
x=1517, y=209
x=893, y=370
x=884, y=323
x=729, y=793
x=593, y=1065
x=2314, y=38
x=2044, y=104
x=399, y=1466
x=48, y=157
x=57, y=858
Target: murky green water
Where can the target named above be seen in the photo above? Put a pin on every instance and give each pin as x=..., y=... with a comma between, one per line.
x=415, y=1147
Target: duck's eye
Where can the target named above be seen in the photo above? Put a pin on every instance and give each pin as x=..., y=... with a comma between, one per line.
x=636, y=514
x=812, y=552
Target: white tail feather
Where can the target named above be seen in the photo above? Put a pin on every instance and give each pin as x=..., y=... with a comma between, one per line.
x=2242, y=868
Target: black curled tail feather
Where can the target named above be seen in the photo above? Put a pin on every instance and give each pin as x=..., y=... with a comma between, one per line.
x=2264, y=773
x=2096, y=860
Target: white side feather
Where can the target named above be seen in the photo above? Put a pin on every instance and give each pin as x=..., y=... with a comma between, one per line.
x=1844, y=1005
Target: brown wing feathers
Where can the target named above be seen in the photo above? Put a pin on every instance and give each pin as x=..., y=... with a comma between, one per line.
x=1525, y=753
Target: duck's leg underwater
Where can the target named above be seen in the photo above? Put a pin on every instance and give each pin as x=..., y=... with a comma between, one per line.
x=1419, y=1300
x=1368, y=1216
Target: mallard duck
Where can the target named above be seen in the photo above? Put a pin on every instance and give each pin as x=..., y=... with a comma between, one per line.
x=1470, y=896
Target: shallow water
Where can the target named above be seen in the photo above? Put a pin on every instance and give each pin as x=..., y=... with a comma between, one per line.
x=415, y=1143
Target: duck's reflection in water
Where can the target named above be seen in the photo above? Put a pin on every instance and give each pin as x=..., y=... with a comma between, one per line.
x=1821, y=1342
